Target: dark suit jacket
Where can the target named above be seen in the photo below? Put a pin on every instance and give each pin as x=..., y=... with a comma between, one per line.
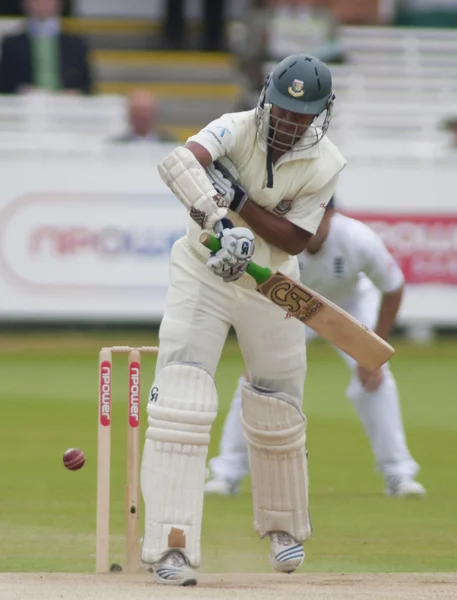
x=16, y=64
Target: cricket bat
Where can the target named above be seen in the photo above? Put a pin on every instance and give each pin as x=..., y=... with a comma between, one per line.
x=326, y=318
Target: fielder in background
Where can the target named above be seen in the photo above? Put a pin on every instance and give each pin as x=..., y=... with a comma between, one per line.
x=287, y=172
x=347, y=263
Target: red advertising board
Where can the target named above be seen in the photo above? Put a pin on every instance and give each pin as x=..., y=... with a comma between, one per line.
x=425, y=246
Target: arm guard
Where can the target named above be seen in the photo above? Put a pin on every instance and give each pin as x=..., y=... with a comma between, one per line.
x=186, y=178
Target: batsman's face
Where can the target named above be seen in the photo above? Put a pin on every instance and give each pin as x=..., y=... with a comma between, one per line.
x=289, y=126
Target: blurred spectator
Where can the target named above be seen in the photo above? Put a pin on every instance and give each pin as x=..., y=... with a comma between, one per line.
x=450, y=125
x=213, y=18
x=142, y=116
x=213, y=39
x=277, y=28
x=422, y=13
x=16, y=8
x=359, y=12
x=42, y=57
x=303, y=26
x=174, y=25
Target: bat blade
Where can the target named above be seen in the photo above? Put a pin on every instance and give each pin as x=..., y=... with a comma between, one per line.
x=328, y=320
x=323, y=316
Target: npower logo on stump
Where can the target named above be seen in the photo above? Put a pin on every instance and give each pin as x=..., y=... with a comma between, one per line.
x=134, y=394
x=105, y=394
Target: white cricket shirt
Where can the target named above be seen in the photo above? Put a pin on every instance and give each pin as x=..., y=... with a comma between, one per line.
x=352, y=258
x=303, y=181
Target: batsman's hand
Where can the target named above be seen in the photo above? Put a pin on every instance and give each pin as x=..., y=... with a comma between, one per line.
x=237, y=248
x=370, y=380
x=226, y=186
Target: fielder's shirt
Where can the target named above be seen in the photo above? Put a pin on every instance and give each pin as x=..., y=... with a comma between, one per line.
x=352, y=259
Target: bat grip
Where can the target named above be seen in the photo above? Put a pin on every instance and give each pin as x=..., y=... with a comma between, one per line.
x=222, y=224
x=210, y=241
x=260, y=274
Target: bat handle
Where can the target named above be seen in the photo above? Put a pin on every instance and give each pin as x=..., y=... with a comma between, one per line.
x=260, y=274
x=210, y=241
x=222, y=224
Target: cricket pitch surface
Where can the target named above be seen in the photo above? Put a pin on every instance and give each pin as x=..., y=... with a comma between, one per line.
x=306, y=586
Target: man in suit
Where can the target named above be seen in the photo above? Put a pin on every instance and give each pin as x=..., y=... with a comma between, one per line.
x=42, y=57
x=213, y=22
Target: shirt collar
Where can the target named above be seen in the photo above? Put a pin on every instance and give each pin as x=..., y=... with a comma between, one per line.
x=46, y=28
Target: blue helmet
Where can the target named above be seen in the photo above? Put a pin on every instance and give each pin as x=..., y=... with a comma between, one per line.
x=299, y=84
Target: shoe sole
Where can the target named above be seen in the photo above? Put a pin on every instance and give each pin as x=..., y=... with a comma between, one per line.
x=191, y=581
x=289, y=569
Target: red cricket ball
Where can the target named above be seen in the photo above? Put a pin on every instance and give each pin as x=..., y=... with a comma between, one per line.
x=74, y=459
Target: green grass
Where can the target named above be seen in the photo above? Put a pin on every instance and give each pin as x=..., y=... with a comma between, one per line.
x=47, y=514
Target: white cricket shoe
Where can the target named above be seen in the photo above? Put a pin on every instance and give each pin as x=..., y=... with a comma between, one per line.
x=403, y=486
x=174, y=569
x=286, y=553
x=221, y=486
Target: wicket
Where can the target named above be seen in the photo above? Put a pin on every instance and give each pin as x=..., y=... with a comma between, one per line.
x=132, y=498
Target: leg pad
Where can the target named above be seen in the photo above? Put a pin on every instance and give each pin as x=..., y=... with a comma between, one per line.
x=181, y=410
x=275, y=430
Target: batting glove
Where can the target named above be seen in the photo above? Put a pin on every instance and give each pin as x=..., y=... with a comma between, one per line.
x=237, y=249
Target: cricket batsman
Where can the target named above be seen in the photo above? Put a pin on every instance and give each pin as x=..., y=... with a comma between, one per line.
x=287, y=171
x=347, y=263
